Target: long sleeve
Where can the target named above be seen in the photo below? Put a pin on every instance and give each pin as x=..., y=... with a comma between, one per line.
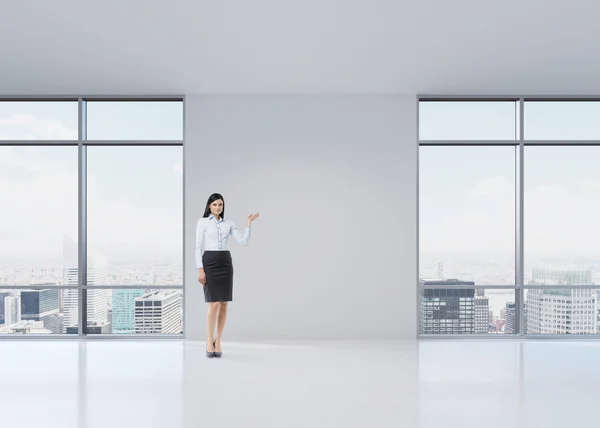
x=199, y=243
x=242, y=239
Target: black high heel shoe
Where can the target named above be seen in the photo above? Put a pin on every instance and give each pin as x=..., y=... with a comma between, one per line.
x=209, y=354
x=217, y=354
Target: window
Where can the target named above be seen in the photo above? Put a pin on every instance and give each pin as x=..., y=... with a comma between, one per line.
x=38, y=120
x=455, y=307
x=543, y=190
x=135, y=215
x=562, y=120
x=467, y=218
x=38, y=190
x=135, y=120
x=467, y=214
x=38, y=311
x=468, y=120
x=135, y=311
x=128, y=194
x=562, y=199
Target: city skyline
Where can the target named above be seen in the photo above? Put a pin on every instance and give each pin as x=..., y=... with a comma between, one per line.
x=134, y=201
x=467, y=208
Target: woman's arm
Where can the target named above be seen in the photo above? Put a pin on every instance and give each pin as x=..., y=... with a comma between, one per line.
x=242, y=239
x=199, y=243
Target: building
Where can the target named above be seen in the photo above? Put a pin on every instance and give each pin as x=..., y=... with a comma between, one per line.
x=510, y=314
x=12, y=309
x=447, y=310
x=158, y=312
x=525, y=317
x=25, y=327
x=570, y=275
x=97, y=299
x=123, y=310
x=94, y=328
x=569, y=311
x=3, y=295
x=482, y=314
x=40, y=305
x=561, y=311
x=55, y=323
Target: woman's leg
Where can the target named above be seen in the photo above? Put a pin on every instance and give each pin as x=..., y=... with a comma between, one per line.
x=221, y=319
x=211, y=321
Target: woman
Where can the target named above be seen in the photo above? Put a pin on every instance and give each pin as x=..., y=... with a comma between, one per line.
x=215, y=268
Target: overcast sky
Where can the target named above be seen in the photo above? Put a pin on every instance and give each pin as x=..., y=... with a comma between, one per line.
x=467, y=193
x=135, y=194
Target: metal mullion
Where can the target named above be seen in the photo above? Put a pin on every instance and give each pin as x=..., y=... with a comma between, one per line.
x=509, y=97
x=558, y=98
x=467, y=98
x=519, y=224
x=418, y=266
x=133, y=98
x=38, y=287
x=41, y=98
x=183, y=243
x=508, y=336
x=133, y=142
x=39, y=142
x=468, y=142
x=562, y=142
x=111, y=336
x=135, y=336
x=91, y=97
x=468, y=336
x=132, y=287
x=563, y=287
x=82, y=220
x=469, y=287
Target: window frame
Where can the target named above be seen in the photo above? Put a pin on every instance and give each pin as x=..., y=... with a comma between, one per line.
x=82, y=143
x=519, y=143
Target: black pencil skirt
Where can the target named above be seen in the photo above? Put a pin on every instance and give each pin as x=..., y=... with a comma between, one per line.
x=218, y=267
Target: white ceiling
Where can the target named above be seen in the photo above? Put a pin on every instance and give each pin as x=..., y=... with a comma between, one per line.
x=306, y=46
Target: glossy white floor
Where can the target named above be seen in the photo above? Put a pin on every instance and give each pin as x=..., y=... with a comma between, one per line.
x=431, y=384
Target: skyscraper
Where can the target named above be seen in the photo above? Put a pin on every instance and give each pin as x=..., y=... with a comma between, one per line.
x=158, y=312
x=39, y=305
x=123, y=313
x=97, y=273
x=569, y=311
x=511, y=318
x=561, y=311
x=3, y=295
x=570, y=275
x=12, y=309
x=482, y=314
x=448, y=310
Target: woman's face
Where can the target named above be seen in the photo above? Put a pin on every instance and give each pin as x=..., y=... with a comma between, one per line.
x=216, y=208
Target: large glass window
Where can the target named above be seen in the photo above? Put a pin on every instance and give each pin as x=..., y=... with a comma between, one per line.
x=562, y=120
x=468, y=120
x=562, y=201
x=38, y=311
x=125, y=195
x=38, y=218
x=38, y=120
x=533, y=196
x=467, y=214
x=135, y=215
x=135, y=120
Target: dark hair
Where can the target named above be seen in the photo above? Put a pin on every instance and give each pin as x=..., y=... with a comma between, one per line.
x=211, y=199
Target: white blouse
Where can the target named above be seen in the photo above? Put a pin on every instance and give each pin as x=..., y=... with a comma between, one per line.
x=213, y=236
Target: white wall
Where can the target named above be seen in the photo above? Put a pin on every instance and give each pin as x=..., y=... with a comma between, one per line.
x=334, y=252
